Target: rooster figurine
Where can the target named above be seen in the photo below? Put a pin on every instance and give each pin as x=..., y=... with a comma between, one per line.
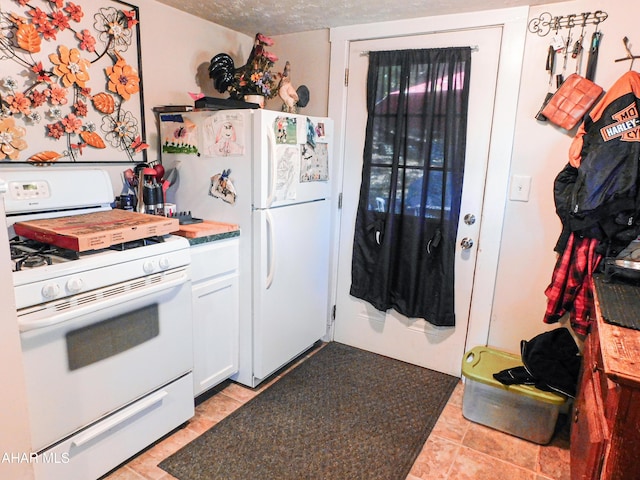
x=286, y=91
x=224, y=74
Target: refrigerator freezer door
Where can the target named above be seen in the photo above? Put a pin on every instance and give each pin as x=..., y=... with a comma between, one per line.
x=291, y=271
x=282, y=162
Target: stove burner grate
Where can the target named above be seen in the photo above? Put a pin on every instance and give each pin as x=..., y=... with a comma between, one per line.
x=120, y=247
x=59, y=252
x=31, y=260
x=27, y=253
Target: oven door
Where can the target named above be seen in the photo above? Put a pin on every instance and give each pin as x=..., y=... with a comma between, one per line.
x=100, y=352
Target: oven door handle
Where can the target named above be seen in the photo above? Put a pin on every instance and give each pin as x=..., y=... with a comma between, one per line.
x=118, y=418
x=29, y=325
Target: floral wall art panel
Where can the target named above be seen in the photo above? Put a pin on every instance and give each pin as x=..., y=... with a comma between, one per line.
x=70, y=82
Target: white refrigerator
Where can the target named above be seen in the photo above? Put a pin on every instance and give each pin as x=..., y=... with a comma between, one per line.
x=268, y=172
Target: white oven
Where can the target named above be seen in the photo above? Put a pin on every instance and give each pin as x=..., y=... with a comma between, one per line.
x=101, y=350
x=106, y=340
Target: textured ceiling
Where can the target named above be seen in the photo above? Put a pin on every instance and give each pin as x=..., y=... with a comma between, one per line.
x=291, y=16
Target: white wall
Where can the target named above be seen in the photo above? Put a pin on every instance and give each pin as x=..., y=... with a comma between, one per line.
x=176, y=55
x=176, y=50
x=309, y=54
x=531, y=228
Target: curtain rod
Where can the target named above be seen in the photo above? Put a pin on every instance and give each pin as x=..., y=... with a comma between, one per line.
x=474, y=48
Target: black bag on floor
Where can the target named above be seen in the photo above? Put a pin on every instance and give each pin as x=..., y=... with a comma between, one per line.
x=551, y=362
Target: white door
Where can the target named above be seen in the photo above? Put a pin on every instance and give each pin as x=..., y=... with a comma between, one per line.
x=389, y=333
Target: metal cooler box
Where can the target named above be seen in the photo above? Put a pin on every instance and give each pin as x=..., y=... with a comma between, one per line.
x=520, y=410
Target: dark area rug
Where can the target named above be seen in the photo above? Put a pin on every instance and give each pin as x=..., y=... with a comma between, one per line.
x=342, y=414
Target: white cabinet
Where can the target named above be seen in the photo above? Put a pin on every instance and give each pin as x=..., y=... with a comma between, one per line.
x=214, y=276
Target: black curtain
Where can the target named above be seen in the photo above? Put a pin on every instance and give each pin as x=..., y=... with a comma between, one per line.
x=407, y=220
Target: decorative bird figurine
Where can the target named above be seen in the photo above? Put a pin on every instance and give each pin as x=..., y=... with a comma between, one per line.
x=286, y=91
x=224, y=74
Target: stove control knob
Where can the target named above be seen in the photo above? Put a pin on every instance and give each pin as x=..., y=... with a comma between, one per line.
x=148, y=266
x=51, y=290
x=74, y=285
x=164, y=263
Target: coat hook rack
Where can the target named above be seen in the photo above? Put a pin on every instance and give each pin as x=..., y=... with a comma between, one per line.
x=546, y=22
x=630, y=56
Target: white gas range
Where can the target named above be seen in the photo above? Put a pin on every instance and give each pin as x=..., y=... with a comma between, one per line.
x=106, y=335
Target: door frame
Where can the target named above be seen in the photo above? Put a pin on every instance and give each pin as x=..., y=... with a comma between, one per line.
x=514, y=24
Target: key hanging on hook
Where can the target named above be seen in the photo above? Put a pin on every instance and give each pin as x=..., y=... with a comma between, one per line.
x=567, y=45
x=578, y=47
x=592, y=60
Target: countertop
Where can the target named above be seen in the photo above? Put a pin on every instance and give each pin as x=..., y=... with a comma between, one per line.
x=206, y=231
x=620, y=345
x=213, y=238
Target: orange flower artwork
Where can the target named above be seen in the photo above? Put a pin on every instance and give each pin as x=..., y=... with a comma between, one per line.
x=19, y=103
x=70, y=67
x=11, y=141
x=70, y=81
x=123, y=79
x=57, y=95
x=72, y=124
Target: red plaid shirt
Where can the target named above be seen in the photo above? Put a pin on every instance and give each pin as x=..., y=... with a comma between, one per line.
x=570, y=287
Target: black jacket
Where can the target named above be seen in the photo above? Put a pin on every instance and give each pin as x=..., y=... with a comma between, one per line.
x=597, y=194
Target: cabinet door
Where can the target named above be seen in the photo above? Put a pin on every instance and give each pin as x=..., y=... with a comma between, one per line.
x=215, y=335
x=588, y=436
x=624, y=445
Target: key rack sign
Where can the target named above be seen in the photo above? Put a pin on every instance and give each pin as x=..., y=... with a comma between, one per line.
x=70, y=82
x=546, y=22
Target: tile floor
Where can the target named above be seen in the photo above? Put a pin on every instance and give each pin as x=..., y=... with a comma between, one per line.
x=457, y=449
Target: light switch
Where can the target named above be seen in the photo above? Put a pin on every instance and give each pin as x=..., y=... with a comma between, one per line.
x=520, y=188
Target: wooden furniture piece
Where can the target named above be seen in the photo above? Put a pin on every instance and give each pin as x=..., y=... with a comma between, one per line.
x=605, y=435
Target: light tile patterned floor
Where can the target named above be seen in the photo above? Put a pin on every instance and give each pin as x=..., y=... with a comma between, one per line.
x=457, y=449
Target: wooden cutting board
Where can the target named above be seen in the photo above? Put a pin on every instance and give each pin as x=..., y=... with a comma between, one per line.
x=205, y=228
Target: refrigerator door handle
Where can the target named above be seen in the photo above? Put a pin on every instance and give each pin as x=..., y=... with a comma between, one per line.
x=271, y=259
x=272, y=166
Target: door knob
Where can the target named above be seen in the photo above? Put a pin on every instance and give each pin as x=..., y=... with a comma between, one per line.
x=466, y=243
x=469, y=219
